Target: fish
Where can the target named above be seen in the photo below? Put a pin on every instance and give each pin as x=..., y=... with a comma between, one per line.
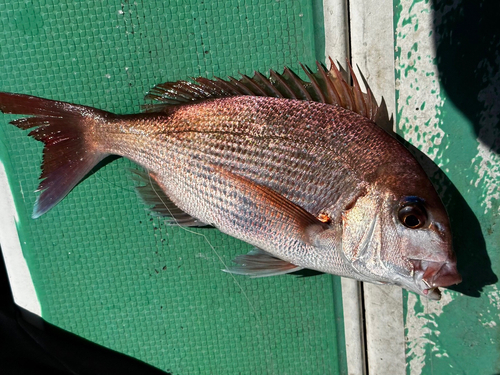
x=297, y=168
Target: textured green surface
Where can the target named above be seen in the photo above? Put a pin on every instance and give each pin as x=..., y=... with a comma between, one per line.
x=103, y=267
x=447, y=65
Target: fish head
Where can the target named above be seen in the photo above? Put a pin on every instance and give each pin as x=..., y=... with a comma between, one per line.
x=424, y=240
x=401, y=236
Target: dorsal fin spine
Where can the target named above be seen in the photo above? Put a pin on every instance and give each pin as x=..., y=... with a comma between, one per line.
x=342, y=88
x=211, y=87
x=372, y=103
x=266, y=84
x=297, y=82
x=281, y=81
x=195, y=90
x=333, y=95
x=183, y=89
x=254, y=87
x=245, y=90
x=358, y=98
x=231, y=89
x=314, y=84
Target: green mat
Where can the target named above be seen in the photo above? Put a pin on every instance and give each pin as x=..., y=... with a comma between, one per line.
x=103, y=266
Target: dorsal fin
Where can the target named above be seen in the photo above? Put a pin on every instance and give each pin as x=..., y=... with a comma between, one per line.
x=329, y=86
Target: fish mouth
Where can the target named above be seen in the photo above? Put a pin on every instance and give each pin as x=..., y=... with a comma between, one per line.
x=429, y=276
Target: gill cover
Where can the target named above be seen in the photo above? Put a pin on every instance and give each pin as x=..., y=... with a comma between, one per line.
x=361, y=237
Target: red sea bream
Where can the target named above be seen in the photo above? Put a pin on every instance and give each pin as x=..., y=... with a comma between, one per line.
x=298, y=169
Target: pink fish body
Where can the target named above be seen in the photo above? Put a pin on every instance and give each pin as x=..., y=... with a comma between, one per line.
x=279, y=163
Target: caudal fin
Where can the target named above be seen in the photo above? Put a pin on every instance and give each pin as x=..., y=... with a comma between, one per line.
x=66, y=130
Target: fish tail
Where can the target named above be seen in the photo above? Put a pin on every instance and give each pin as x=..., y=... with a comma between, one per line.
x=67, y=131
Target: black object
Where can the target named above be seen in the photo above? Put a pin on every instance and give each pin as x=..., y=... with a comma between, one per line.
x=30, y=345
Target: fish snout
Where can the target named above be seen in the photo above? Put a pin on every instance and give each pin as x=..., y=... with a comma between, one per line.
x=446, y=276
x=429, y=276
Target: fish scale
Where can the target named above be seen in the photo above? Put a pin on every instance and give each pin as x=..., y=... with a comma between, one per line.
x=292, y=162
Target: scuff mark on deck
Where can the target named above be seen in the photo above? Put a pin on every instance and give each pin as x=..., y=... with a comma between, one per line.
x=420, y=326
x=419, y=101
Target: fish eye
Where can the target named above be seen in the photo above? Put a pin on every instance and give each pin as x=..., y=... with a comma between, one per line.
x=412, y=215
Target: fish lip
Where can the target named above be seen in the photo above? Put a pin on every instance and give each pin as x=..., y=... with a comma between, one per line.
x=428, y=276
x=432, y=293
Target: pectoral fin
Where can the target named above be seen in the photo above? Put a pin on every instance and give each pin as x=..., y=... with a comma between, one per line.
x=270, y=212
x=153, y=195
x=259, y=263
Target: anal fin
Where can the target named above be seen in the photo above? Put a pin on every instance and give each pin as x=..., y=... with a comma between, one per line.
x=153, y=195
x=259, y=263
